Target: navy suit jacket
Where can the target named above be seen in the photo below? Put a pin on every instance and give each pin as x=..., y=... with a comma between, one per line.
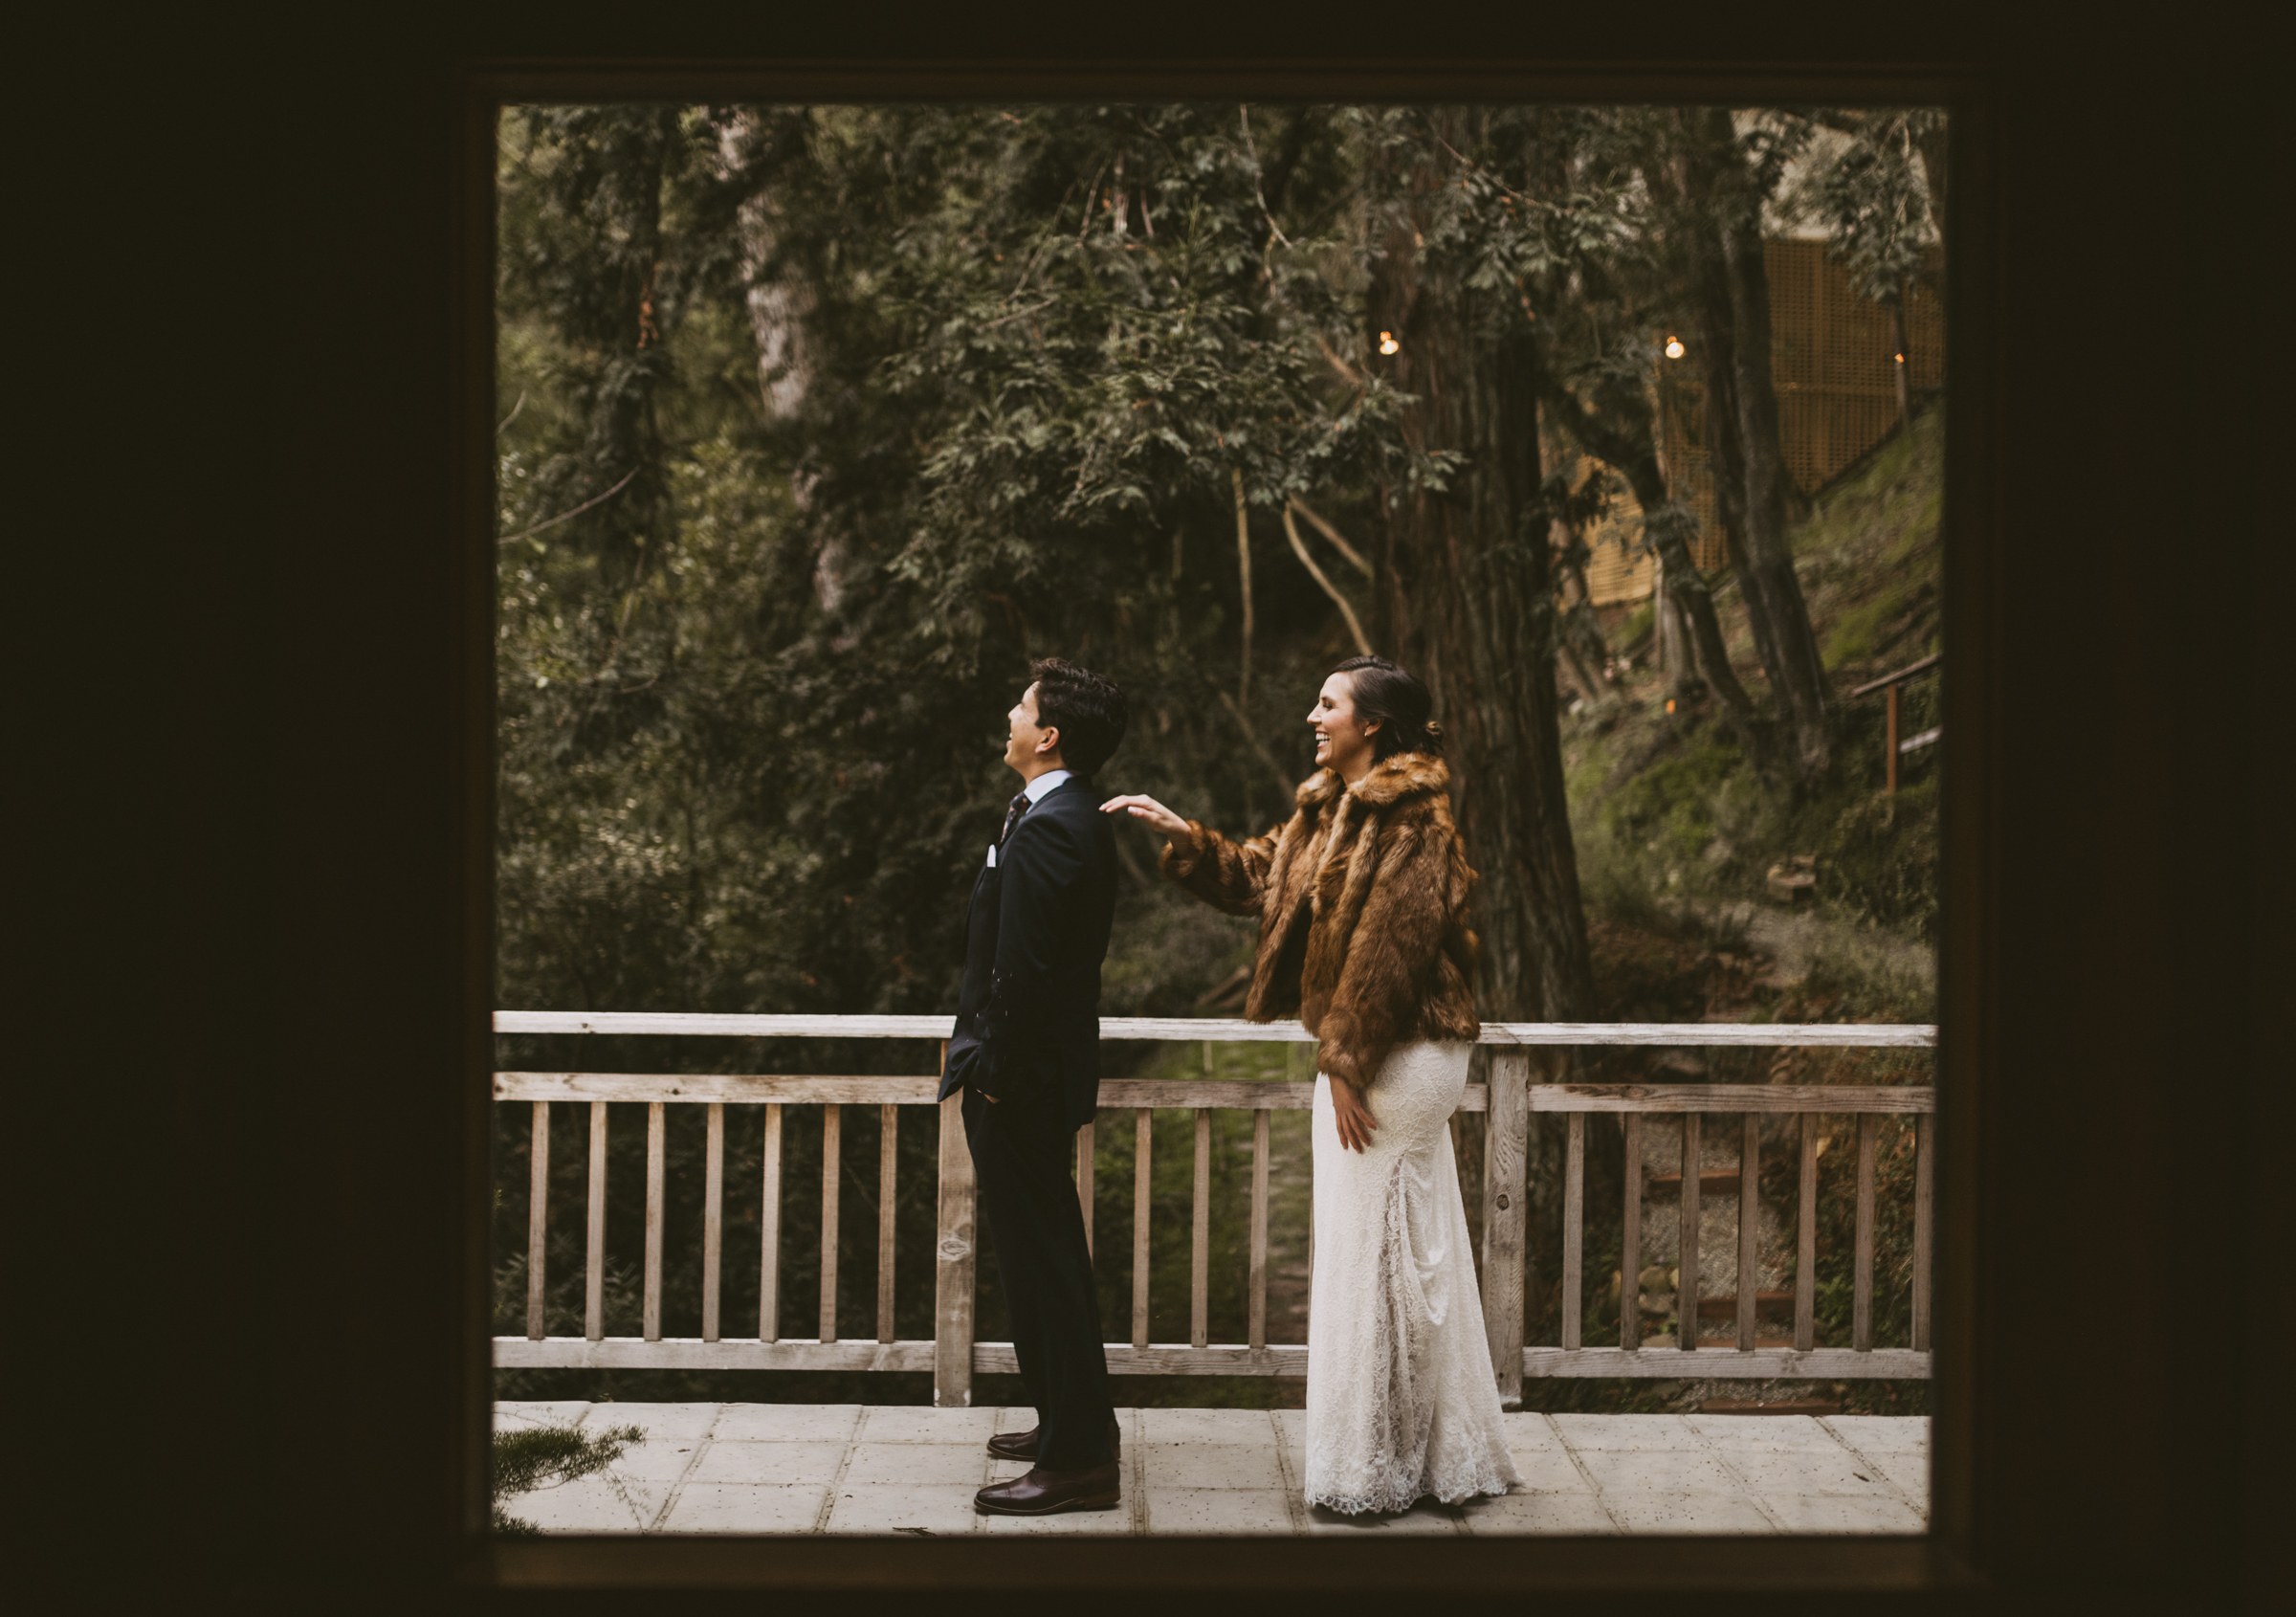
x=1028, y=1011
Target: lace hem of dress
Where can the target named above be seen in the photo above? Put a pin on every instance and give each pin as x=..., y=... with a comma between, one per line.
x=1402, y=1497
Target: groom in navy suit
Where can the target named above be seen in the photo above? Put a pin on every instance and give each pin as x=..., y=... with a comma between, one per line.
x=1027, y=1051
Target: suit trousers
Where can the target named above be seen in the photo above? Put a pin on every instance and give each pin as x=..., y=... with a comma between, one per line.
x=1021, y=1159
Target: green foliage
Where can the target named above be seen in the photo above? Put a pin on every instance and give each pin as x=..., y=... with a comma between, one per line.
x=526, y=1458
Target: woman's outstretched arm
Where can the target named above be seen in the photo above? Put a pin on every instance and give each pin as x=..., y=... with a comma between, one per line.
x=1228, y=876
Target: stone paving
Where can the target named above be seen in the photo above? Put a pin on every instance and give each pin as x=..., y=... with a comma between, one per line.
x=849, y=1468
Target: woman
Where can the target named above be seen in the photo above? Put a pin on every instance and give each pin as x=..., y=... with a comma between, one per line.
x=1362, y=900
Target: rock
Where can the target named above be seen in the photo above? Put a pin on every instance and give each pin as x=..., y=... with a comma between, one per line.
x=1794, y=878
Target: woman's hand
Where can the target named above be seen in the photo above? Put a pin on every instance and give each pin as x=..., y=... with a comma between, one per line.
x=1148, y=809
x=1351, y=1113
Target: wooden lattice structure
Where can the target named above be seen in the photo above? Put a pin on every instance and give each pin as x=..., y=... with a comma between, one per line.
x=1833, y=360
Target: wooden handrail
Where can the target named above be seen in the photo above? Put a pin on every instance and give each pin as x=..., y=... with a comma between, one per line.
x=1906, y=673
x=1508, y=1099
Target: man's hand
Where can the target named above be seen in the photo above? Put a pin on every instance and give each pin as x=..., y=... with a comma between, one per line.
x=1148, y=809
x=1352, y=1114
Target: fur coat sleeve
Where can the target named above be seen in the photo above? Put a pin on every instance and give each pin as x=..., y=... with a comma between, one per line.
x=1227, y=875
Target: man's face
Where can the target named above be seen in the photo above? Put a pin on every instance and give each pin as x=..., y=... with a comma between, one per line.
x=1029, y=748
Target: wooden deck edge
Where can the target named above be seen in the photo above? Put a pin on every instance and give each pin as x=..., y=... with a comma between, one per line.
x=1709, y=1363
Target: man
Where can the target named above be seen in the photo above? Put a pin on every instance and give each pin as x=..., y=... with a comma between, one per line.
x=1027, y=1052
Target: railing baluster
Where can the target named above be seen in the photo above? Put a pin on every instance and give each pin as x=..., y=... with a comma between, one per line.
x=1861, y=1309
x=538, y=1205
x=1141, y=1191
x=1259, y=1228
x=1630, y=1237
x=1925, y=1206
x=1805, y=1242
x=769, y=1231
x=712, y=1221
x=1200, y=1248
x=889, y=1141
x=1686, y=1283
x=1574, y=1227
x=654, y=1128
x=593, y=1260
x=1749, y=1224
x=1084, y=1183
x=954, y=1265
x=832, y=1123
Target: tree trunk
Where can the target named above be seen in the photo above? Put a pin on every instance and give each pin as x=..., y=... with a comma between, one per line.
x=1471, y=605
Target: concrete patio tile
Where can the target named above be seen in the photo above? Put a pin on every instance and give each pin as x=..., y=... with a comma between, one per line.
x=787, y=1423
x=1623, y=1471
x=1218, y=1510
x=1426, y=1517
x=902, y=1465
x=1293, y=1423
x=1768, y=1433
x=1910, y=1472
x=1803, y=1472
x=1842, y=1512
x=1548, y=1470
x=1579, y=1512
x=1653, y=1510
x=592, y=1505
x=733, y=1507
x=1104, y=1524
x=914, y=1423
x=1527, y=1431
x=1017, y=1417
x=940, y=1509
x=658, y=1421
x=562, y=1411
x=1205, y=1426
x=1211, y=1464
x=1585, y=1432
x=661, y=1463
x=766, y=1464
x=1901, y=1432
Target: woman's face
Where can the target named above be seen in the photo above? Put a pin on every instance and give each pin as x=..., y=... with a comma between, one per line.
x=1341, y=742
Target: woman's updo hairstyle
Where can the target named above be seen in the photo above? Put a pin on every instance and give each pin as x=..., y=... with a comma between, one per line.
x=1395, y=698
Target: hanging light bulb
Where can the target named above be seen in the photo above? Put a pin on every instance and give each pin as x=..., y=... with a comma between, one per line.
x=1673, y=348
x=1901, y=359
x=1388, y=344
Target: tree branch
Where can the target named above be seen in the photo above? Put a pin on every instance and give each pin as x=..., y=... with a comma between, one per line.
x=1299, y=548
x=1243, y=574
x=570, y=516
x=1252, y=737
x=1354, y=556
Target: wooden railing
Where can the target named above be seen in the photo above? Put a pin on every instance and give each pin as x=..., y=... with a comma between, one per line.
x=1508, y=1099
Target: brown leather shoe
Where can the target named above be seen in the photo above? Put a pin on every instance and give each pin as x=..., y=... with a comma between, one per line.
x=1022, y=1445
x=1049, y=1492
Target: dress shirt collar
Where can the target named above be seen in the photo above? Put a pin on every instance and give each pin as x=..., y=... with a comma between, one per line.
x=1044, y=784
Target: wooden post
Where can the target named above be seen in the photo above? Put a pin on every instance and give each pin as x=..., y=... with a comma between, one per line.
x=1630, y=1238
x=1258, y=1327
x=538, y=1229
x=1084, y=1183
x=593, y=1259
x=1686, y=1282
x=1573, y=1229
x=1141, y=1188
x=888, y=1144
x=1805, y=1242
x=1749, y=1224
x=1860, y=1308
x=769, y=1232
x=1925, y=1206
x=712, y=1221
x=654, y=1129
x=1200, y=1248
x=954, y=1260
x=832, y=1130
x=1506, y=1130
x=1889, y=705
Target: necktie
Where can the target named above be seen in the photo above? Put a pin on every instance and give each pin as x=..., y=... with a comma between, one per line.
x=1012, y=815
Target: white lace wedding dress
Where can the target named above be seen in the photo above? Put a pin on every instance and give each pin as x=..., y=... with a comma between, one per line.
x=1401, y=1402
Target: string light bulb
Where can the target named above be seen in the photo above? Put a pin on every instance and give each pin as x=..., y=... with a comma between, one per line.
x=1388, y=344
x=1901, y=359
x=1673, y=348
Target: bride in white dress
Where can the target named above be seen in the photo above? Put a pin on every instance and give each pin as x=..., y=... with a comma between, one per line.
x=1361, y=897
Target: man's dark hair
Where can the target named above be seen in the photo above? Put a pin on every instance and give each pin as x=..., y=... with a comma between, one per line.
x=1394, y=695
x=1085, y=707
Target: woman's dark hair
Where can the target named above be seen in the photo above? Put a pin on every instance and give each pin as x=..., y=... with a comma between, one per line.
x=1395, y=698
x=1085, y=707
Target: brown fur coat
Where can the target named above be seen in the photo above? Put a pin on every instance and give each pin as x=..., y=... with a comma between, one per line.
x=1379, y=870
